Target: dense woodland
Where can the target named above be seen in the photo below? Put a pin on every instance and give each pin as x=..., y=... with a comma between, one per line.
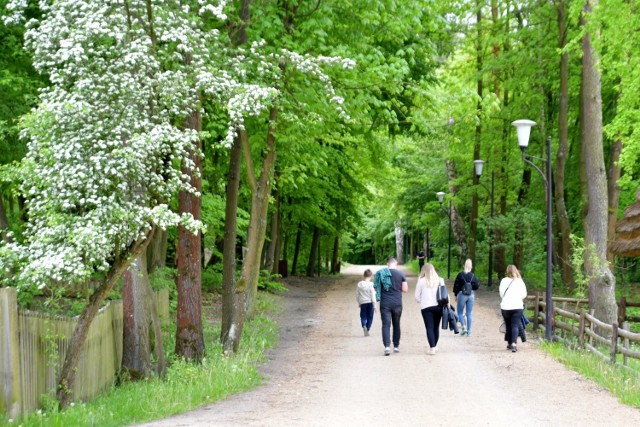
x=228, y=142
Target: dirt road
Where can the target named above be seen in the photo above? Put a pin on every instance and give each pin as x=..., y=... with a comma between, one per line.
x=326, y=373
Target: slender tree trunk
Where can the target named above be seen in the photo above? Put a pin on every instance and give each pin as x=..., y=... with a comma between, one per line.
x=613, y=175
x=157, y=251
x=457, y=223
x=601, y=280
x=4, y=223
x=189, y=336
x=335, y=262
x=273, y=237
x=259, y=209
x=66, y=383
x=140, y=312
x=314, y=251
x=296, y=250
x=400, y=243
x=233, y=297
x=232, y=301
x=565, y=248
x=473, y=220
x=518, y=245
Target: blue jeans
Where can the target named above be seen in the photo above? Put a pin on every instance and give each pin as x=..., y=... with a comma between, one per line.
x=465, y=302
x=366, y=315
x=390, y=315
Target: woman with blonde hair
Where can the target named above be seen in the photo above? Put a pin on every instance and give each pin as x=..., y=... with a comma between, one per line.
x=463, y=287
x=426, y=296
x=513, y=292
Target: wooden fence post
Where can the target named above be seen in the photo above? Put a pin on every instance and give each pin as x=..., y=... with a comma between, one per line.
x=9, y=348
x=536, y=312
x=622, y=310
x=614, y=342
x=625, y=358
x=581, y=328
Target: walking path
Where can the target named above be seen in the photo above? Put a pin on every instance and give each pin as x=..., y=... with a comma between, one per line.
x=326, y=373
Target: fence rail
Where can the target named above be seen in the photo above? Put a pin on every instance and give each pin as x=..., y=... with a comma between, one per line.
x=590, y=332
x=33, y=347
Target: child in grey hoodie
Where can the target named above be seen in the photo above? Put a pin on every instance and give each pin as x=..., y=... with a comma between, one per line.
x=366, y=296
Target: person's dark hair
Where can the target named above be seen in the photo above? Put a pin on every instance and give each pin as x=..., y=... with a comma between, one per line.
x=368, y=273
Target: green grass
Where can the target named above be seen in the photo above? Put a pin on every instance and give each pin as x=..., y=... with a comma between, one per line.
x=185, y=387
x=623, y=383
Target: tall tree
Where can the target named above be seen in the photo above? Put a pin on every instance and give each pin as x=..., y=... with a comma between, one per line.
x=565, y=247
x=601, y=280
x=189, y=335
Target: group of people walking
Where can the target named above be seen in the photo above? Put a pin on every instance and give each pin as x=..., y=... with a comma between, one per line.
x=388, y=285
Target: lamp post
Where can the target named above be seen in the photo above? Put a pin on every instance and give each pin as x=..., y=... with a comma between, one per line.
x=524, y=131
x=478, y=165
x=440, y=195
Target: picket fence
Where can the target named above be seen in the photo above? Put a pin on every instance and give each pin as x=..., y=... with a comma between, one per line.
x=574, y=323
x=33, y=347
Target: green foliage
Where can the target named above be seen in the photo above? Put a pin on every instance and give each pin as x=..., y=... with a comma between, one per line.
x=212, y=278
x=186, y=386
x=269, y=282
x=165, y=278
x=623, y=384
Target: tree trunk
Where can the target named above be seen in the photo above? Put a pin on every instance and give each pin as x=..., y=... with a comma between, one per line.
x=314, y=251
x=140, y=312
x=335, y=261
x=518, y=246
x=399, y=243
x=565, y=248
x=66, y=383
x=273, y=237
x=157, y=251
x=613, y=176
x=189, y=336
x=261, y=190
x=457, y=223
x=4, y=223
x=296, y=250
x=233, y=297
x=473, y=220
x=232, y=300
x=601, y=280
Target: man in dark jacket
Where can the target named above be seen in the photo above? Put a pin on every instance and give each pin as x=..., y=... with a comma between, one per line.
x=390, y=284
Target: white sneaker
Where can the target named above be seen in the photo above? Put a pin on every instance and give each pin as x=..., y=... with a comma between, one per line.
x=431, y=351
x=387, y=351
x=396, y=350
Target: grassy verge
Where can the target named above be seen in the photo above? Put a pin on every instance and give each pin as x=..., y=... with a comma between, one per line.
x=185, y=387
x=623, y=383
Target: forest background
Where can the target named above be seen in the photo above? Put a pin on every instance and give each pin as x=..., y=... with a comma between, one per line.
x=212, y=144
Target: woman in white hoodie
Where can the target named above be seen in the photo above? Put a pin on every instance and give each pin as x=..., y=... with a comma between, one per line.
x=513, y=292
x=426, y=296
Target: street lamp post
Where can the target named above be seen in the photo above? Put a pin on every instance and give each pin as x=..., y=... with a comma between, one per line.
x=524, y=130
x=478, y=164
x=440, y=195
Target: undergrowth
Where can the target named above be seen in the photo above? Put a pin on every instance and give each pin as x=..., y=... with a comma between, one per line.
x=186, y=386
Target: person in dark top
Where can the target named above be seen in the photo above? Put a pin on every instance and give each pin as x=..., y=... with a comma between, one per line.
x=390, y=284
x=463, y=288
x=421, y=258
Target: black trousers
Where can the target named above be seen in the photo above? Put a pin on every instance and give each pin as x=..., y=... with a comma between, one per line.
x=512, y=319
x=390, y=315
x=432, y=316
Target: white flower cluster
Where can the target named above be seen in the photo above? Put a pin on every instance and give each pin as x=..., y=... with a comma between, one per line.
x=107, y=142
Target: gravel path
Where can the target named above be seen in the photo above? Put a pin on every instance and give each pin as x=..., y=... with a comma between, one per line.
x=325, y=373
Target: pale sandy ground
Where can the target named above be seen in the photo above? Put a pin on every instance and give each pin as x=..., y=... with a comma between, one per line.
x=326, y=373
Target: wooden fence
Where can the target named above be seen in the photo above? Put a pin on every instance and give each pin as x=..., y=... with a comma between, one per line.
x=572, y=320
x=33, y=347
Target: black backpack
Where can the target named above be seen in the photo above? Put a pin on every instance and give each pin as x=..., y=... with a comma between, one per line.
x=467, y=288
